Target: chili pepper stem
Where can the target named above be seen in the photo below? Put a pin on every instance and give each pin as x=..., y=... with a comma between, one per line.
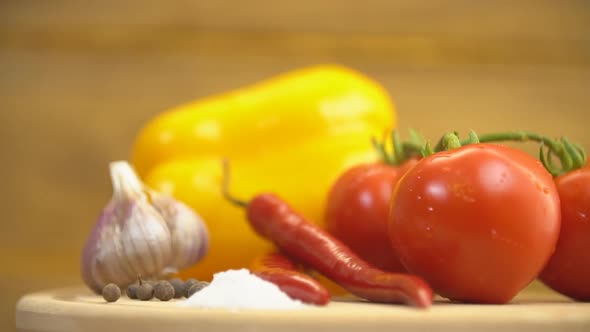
x=225, y=177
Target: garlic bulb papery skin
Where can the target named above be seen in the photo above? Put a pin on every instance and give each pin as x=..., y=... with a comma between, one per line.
x=190, y=237
x=130, y=237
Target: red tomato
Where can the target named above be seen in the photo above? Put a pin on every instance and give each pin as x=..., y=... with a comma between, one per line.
x=568, y=270
x=478, y=223
x=357, y=209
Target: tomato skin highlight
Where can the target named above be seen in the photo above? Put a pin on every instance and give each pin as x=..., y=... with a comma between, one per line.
x=478, y=223
x=357, y=210
x=568, y=270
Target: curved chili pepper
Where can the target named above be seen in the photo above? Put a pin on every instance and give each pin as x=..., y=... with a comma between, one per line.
x=276, y=221
x=280, y=270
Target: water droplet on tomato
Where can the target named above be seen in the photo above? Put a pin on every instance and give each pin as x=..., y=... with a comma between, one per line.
x=419, y=197
x=582, y=214
x=430, y=208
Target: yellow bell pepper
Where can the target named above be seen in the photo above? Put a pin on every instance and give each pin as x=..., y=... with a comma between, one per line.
x=292, y=134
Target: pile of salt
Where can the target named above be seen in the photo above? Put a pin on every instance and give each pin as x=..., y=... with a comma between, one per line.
x=240, y=289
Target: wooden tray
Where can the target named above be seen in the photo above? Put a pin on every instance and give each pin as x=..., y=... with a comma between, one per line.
x=77, y=309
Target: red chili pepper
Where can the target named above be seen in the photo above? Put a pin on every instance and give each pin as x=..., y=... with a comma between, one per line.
x=275, y=220
x=280, y=270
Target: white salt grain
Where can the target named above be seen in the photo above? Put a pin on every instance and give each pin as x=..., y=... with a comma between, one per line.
x=240, y=289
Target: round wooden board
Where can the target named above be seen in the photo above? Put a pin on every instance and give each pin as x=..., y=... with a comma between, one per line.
x=77, y=309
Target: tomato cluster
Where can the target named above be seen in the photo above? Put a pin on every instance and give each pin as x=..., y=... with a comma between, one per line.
x=478, y=222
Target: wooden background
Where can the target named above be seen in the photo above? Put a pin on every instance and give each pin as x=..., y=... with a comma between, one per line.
x=77, y=80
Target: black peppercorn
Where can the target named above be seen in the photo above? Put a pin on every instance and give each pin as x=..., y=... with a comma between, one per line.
x=132, y=291
x=144, y=291
x=163, y=291
x=178, y=287
x=196, y=287
x=111, y=292
x=188, y=284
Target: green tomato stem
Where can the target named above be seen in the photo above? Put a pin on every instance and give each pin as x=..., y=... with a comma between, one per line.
x=548, y=165
x=473, y=138
x=426, y=150
x=400, y=150
x=451, y=141
x=518, y=136
x=380, y=147
x=571, y=156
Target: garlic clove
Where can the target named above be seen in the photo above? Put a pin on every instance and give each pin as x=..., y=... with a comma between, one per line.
x=190, y=237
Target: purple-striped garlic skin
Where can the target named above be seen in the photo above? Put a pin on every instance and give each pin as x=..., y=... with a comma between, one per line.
x=190, y=237
x=130, y=238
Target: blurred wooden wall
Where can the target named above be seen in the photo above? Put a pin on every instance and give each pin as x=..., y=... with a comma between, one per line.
x=77, y=80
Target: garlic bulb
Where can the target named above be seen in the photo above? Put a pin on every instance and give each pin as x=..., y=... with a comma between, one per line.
x=140, y=232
